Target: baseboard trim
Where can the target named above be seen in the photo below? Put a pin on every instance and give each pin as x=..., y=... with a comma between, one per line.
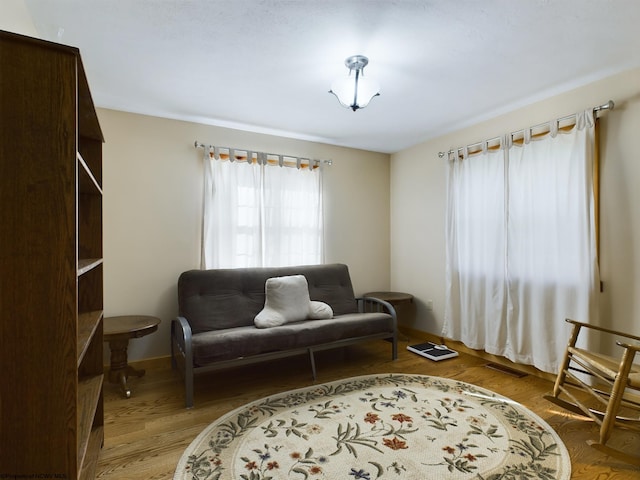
x=461, y=347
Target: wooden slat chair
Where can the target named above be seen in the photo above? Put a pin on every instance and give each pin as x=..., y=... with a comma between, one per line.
x=614, y=379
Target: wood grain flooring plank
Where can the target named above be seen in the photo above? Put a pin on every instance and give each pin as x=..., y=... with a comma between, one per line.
x=146, y=435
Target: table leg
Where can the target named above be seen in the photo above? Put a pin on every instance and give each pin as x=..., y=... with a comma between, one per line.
x=120, y=370
x=122, y=380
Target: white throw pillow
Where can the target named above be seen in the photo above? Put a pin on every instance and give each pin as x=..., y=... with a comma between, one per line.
x=287, y=300
x=319, y=310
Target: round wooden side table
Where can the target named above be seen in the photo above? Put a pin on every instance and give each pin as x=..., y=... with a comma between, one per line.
x=117, y=331
x=394, y=298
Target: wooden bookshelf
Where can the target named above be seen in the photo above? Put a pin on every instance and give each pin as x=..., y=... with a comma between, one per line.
x=51, y=350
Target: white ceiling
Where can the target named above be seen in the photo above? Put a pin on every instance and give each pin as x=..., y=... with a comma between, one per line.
x=267, y=65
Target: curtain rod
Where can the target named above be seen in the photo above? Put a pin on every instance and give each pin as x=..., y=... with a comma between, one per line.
x=280, y=156
x=606, y=106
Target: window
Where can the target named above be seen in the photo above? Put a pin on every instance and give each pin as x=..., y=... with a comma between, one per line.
x=260, y=214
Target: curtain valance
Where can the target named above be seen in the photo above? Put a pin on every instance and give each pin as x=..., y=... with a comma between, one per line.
x=519, y=137
x=261, y=158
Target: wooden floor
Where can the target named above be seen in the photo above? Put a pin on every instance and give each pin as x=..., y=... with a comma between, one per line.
x=146, y=434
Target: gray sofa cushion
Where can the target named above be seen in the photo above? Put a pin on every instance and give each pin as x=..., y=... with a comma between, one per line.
x=230, y=298
x=209, y=347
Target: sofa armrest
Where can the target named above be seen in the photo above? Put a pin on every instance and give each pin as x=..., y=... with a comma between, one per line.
x=182, y=354
x=180, y=335
x=372, y=304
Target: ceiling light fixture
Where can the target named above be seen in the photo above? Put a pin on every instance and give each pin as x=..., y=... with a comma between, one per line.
x=355, y=91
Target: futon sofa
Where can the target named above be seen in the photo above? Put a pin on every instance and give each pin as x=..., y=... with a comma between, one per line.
x=216, y=327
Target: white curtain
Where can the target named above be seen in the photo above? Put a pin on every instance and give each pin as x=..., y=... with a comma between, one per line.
x=292, y=216
x=258, y=215
x=475, y=250
x=521, y=250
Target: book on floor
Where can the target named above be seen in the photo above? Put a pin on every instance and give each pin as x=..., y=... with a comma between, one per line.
x=432, y=351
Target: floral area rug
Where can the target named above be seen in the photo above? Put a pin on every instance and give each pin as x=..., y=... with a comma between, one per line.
x=390, y=426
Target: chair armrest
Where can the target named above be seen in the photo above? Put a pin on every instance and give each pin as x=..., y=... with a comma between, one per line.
x=633, y=348
x=602, y=329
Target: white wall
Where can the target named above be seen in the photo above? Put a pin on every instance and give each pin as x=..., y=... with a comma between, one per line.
x=418, y=201
x=153, y=195
x=14, y=17
x=152, y=211
x=152, y=204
